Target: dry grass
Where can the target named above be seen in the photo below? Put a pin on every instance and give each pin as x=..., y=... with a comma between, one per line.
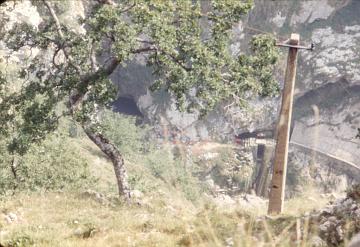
x=69, y=219
x=63, y=219
x=165, y=217
x=309, y=200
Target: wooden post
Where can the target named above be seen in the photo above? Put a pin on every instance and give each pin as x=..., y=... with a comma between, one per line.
x=263, y=184
x=277, y=190
x=260, y=166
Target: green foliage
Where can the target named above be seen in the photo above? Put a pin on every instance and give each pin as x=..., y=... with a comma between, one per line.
x=183, y=52
x=173, y=172
x=123, y=132
x=53, y=165
x=187, y=47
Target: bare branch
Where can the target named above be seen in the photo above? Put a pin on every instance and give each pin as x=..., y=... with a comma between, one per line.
x=54, y=57
x=94, y=66
x=128, y=8
x=56, y=19
x=144, y=41
x=144, y=49
x=108, y=2
x=61, y=34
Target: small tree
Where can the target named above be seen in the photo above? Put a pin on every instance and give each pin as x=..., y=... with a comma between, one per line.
x=187, y=47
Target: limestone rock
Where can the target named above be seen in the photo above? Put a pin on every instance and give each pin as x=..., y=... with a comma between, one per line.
x=316, y=241
x=99, y=197
x=11, y=217
x=333, y=219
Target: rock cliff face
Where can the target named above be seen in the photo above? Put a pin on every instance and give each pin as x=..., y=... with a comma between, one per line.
x=327, y=100
x=328, y=77
x=326, y=110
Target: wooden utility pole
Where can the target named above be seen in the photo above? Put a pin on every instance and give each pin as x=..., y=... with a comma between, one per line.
x=277, y=190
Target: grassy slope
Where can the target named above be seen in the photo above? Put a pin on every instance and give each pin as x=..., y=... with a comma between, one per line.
x=165, y=217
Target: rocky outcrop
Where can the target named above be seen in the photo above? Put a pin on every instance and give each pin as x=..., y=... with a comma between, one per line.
x=340, y=220
x=225, y=170
x=326, y=77
x=327, y=101
x=324, y=171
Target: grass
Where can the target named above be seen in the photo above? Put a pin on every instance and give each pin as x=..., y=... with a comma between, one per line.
x=69, y=219
x=62, y=220
x=163, y=219
x=308, y=201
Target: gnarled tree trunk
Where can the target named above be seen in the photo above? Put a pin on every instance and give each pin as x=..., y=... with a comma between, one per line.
x=116, y=158
x=77, y=97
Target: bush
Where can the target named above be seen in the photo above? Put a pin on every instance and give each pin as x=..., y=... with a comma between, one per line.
x=172, y=171
x=230, y=169
x=124, y=133
x=53, y=165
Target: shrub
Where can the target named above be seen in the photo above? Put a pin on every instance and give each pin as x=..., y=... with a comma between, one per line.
x=53, y=165
x=124, y=133
x=172, y=170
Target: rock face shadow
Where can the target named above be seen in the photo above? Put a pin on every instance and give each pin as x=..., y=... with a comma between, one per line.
x=127, y=106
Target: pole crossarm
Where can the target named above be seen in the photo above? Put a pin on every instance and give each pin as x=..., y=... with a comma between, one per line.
x=311, y=47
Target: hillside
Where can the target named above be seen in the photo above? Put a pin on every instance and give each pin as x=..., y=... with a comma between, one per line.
x=179, y=123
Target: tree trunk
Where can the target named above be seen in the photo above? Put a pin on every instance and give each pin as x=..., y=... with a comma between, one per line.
x=13, y=167
x=116, y=158
x=76, y=98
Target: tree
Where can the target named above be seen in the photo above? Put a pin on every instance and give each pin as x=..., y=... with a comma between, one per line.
x=187, y=47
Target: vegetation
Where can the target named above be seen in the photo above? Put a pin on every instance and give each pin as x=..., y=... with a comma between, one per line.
x=183, y=53
x=164, y=218
x=53, y=165
x=173, y=207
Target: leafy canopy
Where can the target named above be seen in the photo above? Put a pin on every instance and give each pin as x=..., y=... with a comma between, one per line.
x=186, y=43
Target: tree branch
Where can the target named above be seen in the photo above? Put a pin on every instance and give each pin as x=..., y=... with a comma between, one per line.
x=174, y=58
x=144, y=49
x=108, y=2
x=61, y=34
x=128, y=8
x=56, y=19
x=94, y=66
x=85, y=80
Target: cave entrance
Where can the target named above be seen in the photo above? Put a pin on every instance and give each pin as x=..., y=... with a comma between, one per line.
x=126, y=105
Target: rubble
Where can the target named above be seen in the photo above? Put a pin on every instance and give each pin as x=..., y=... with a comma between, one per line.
x=339, y=220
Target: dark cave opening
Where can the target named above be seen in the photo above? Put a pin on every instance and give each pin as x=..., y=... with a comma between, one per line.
x=127, y=106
